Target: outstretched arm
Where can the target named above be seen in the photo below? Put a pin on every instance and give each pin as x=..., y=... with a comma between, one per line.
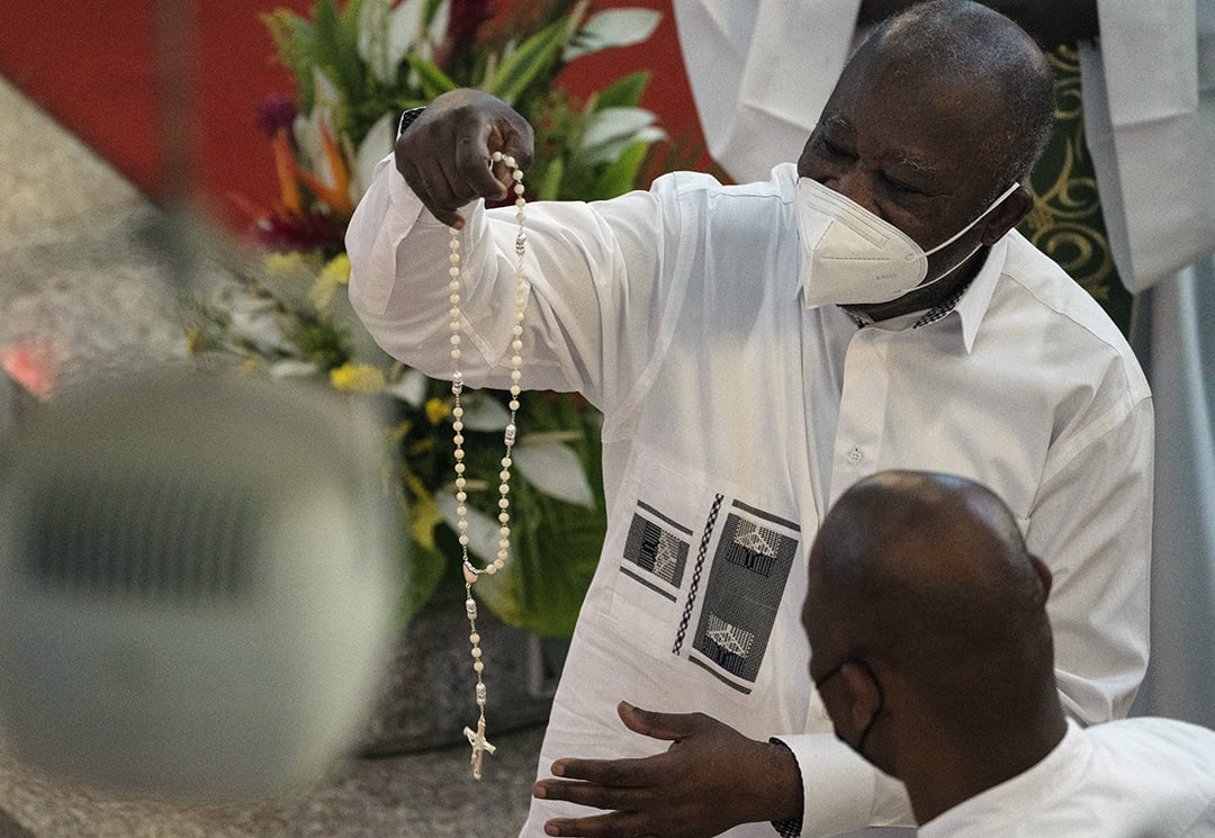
x=710, y=779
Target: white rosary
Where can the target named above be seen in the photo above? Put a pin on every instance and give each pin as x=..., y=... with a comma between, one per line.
x=476, y=738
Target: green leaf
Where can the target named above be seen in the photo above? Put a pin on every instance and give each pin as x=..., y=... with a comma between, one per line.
x=550, y=184
x=423, y=570
x=533, y=59
x=613, y=28
x=623, y=93
x=295, y=45
x=337, y=50
x=620, y=176
x=556, y=545
x=434, y=81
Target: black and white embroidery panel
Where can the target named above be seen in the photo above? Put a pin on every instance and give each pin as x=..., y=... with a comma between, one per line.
x=656, y=551
x=746, y=585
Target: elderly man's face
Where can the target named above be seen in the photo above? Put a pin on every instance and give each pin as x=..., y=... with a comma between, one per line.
x=911, y=148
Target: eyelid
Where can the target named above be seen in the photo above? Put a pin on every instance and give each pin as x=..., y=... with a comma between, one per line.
x=901, y=186
x=831, y=148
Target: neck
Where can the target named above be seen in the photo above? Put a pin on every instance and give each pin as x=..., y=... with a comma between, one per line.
x=919, y=299
x=947, y=768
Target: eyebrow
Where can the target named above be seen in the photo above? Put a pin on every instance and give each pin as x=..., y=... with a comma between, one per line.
x=917, y=164
x=837, y=122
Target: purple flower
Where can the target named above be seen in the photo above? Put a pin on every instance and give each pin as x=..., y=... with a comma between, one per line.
x=284, y=231
x=275, y=112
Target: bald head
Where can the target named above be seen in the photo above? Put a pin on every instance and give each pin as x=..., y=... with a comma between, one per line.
x=976, y=55
x=929, y=573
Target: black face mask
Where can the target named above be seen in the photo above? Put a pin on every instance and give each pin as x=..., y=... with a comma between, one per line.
x=859, y=747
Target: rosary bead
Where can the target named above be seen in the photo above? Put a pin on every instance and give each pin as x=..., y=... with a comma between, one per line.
x=471, y=573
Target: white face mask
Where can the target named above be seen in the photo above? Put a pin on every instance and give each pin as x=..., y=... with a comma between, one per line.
x=852, y=256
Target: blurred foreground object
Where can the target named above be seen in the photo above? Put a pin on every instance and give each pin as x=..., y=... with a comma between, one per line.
x=196, y=584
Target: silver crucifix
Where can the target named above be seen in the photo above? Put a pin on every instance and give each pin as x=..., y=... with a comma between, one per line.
x=480, y=745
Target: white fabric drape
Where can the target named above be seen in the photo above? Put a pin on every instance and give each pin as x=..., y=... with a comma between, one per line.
x=1175, y=338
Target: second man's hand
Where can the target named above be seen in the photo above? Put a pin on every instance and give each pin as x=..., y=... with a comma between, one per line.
x=710, y=779
x=445, y=154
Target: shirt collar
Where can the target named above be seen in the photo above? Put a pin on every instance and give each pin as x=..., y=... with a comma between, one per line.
x=976, y=297
x=990, y=810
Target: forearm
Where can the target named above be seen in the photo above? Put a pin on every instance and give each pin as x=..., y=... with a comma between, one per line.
x=1050, y=22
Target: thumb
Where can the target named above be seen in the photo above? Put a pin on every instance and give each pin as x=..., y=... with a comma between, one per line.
x=667, y=726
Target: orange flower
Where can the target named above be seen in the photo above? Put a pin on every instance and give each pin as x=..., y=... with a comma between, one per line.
x=284, y=163
x=338, y=195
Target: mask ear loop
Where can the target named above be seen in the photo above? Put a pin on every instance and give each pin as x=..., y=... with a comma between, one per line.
x=971, y=225
x=957, y=236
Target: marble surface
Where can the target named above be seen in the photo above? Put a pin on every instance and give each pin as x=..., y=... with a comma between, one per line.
x=74, y=278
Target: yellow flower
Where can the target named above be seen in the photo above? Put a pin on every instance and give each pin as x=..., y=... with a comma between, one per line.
x=336, y=272
x=357, y=378
x=280, y=264
x=337, y=269
x=437, y=410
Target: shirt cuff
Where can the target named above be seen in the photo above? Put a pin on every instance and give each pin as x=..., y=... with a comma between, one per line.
x=842, y=792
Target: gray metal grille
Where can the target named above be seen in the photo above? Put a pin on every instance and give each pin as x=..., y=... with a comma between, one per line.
x=151, y=538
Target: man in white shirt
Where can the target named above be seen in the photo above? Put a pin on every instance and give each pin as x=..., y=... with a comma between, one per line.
x=932, y=651
x=740, y=400
x=1145, y=107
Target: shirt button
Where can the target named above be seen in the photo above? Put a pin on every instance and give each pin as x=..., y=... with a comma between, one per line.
x=855, y=456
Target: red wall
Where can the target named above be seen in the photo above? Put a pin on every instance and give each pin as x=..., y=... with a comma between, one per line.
x=90, y=64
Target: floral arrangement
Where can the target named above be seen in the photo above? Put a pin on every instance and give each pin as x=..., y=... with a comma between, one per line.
x=356, y=67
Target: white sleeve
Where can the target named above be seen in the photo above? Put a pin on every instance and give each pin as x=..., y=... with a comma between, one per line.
x=1149, y=116
x=594, y=290
x=1092, y=525
x=841, y=792
x=761, y=72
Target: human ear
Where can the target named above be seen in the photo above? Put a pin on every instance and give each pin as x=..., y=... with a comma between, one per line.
x=1007, y=214
x=864, y=695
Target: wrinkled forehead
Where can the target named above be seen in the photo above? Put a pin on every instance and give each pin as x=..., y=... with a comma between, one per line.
x=913, y=109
